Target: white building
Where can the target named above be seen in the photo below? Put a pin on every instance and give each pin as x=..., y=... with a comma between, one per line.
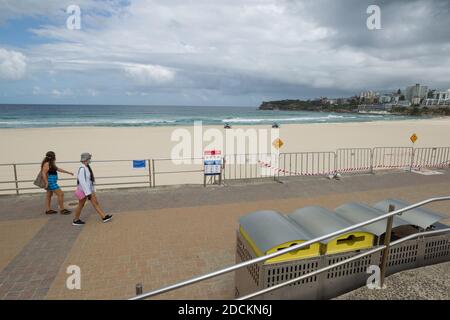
x=385, y=99
x=368, y=94
x=439, y=98
x=416, y=93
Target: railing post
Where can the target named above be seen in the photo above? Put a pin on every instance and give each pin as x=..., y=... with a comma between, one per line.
x=139, y=289
x=412, y=159
x=335, y=163
x=387, y=242
x=371, y=160
x=153, y=173
x=149, y=173
x=15, y=179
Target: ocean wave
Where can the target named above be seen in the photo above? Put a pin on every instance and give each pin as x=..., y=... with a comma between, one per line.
x=256, y=120
x=94, y=122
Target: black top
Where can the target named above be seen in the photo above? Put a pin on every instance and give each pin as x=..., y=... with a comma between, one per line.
x=53, y=172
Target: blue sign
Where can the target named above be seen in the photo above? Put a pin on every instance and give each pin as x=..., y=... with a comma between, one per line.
x=212, y=167
x=139, y=164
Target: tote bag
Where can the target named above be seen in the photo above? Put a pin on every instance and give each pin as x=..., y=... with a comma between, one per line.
x=79, y=193
x=39, y=181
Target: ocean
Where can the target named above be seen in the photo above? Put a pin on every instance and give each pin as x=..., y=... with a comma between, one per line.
x=43, y=116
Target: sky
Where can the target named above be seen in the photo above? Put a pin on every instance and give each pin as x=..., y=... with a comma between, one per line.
x=203, y=52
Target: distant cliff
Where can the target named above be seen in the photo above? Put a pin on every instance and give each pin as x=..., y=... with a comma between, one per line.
x=302, y=105
x=352, y=107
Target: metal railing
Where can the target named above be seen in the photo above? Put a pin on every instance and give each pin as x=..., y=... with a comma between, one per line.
x=393, y=157
x=238, y=166
x=307, y=163
x=112, y=165
x=334, y=234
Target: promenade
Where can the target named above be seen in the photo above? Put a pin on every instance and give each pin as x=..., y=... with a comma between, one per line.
x=163, y=235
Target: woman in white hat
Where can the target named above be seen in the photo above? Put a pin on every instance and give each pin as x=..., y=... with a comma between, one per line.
x=86, y=191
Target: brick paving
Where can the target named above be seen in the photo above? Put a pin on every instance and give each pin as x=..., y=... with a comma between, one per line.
x=30, y=274
x=160, y=236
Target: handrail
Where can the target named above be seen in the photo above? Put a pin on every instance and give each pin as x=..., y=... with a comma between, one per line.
x=281, y=252
x=340, y=263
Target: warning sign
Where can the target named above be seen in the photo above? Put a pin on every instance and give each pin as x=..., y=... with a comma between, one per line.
x=414, y=138
x=212, y=161
x=278, y=143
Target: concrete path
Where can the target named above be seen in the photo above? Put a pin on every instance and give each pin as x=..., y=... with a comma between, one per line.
x=160, y=236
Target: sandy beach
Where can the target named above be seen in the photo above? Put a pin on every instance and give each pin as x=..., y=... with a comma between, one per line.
x=127, y=143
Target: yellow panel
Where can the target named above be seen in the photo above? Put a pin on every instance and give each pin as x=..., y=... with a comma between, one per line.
x=310, y=251
x=349, y=242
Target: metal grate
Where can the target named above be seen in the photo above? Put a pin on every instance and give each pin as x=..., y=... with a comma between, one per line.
x=245, y=255
x=437, y=249
x=348, y=269
x=402, y=255
x=278, y=274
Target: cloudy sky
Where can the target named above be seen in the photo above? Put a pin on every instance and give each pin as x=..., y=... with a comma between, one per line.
x=203, y=52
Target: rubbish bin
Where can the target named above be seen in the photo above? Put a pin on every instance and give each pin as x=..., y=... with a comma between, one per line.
x=269, y=231
x=419, y=217
x=319, y=221
x=355, y=212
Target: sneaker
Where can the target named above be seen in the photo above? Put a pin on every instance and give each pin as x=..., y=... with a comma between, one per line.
x=107, y=218
x=78, y=223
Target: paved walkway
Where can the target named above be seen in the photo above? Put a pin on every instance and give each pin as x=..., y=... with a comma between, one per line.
x=426, y=283
x=160, y=236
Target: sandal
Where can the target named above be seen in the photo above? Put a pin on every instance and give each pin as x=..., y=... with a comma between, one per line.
x=65, y=211
x=51, y=212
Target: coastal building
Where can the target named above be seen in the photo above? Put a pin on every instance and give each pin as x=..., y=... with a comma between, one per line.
x=395, y=98
x=369, y=97
x=402, y=103
x=416, y=93
x=438, y=98
x=385, y=99
x=374, y=108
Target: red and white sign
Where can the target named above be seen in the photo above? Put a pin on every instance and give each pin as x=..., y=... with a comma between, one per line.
x=212, y=160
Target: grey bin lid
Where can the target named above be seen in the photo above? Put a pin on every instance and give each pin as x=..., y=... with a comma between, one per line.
x=420, y=217
x=269, y=229
x=359, y=212
x=319, y=221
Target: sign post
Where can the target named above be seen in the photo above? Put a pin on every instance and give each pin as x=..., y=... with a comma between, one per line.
x=413, y=139
x=212, y=165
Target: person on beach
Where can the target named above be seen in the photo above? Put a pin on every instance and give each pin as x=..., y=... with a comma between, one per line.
x=86, y=182
x=50, y=176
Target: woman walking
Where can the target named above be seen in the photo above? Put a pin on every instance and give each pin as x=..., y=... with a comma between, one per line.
x=50, y=176
x=86, y=191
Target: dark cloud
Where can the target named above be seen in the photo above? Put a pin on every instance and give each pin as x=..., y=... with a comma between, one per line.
x=246, y=50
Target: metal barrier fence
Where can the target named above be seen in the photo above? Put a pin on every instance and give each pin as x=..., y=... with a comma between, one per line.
x=18, y=177
x=354, y=160
x=431, y=157
x=247, y=166
x=307, y=163
x=392, y=157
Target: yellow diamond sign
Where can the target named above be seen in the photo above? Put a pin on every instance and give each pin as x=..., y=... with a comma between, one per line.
x=414, y=138
x=278, y=143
